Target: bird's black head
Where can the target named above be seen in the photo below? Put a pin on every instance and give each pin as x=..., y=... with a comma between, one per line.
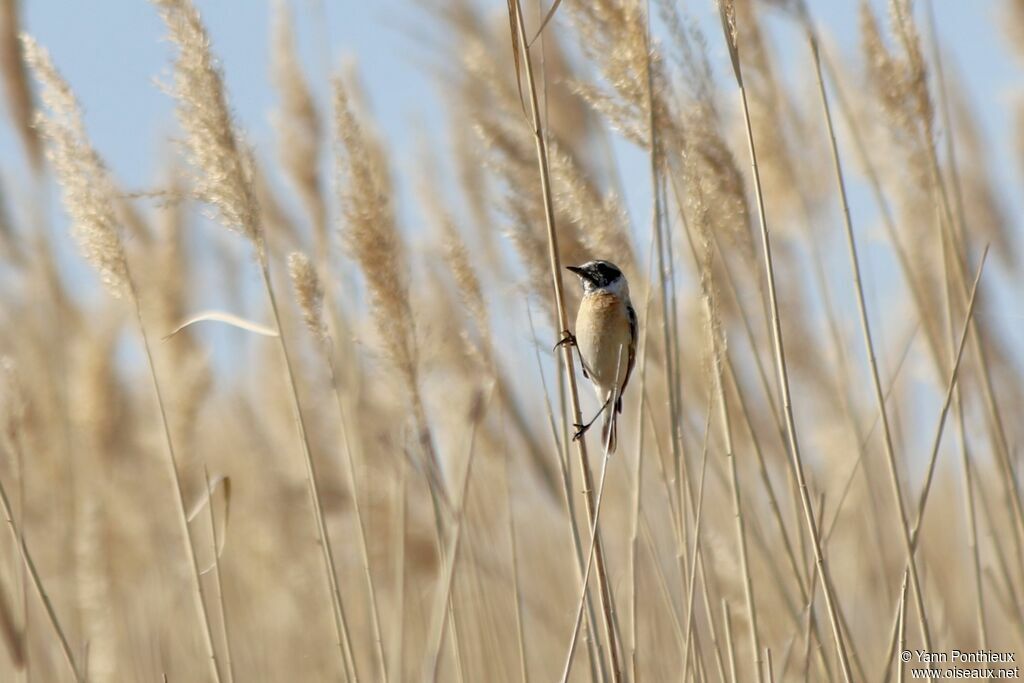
x=597, y=274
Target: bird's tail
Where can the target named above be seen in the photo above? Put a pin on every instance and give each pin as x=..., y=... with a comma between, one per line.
x=609, y=430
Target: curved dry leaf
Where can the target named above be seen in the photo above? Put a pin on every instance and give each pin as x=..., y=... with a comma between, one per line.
x=223, y=483
x=222, y=317
x=547, y=17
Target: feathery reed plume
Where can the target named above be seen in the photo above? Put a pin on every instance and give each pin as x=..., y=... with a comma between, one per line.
x=466, y=280
x=225, y=177
x=900, y=87
x=487, y=220
x=90, y=199
x=612, y=35
x=593, y=220
x=16, y=83
x=309, y=293
x=371, y=233
x=85, y=183
x=298, y=125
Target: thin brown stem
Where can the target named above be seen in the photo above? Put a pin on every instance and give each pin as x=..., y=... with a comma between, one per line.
x=215, y=547
x=869, y=345
x=516, y=17
x=37, y=586
x=343, y=638
x=780, y=362
x=198, y=592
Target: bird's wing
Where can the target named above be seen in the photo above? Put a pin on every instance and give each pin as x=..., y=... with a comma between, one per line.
x=631, y=353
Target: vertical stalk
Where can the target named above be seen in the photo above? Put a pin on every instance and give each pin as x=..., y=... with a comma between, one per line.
x=179, y=495
x=341, y=629
x=215, y=544
x=727, y=625
x=796, y=461
x=37, y=585
x=638, y=471
x=443, y=608
x=563, y=323
x=937, y=440
x=516, y=593
x=869, y=347
x=371, y=588
x=737, y=511
x=590, y=552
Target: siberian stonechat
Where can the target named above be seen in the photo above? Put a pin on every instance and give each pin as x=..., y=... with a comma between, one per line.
x=606, y=336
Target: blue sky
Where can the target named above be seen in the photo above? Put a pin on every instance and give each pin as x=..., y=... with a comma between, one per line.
x=112, y=52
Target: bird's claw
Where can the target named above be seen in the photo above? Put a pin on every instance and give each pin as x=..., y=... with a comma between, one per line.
x=569, y=339
x=580, y=431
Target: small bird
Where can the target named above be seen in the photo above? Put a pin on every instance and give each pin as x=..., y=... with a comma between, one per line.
x=606, y=335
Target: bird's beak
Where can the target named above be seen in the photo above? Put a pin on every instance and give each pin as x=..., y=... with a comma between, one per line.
x=578, y=271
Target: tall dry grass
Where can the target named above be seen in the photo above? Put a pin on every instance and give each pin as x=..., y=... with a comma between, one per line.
x=819, y=459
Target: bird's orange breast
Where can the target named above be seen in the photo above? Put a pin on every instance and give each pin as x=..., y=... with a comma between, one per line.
x=602, y=333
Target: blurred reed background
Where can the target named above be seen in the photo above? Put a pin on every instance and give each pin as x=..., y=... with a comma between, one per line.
x=366, y=472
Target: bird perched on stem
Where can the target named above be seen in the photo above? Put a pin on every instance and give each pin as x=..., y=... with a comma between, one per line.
x=606, y=335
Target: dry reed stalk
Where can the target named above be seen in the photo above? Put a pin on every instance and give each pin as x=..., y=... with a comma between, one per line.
x=590, y=552
x=691, y=578
x=770, y=101
x=37, y=585
x=712, y=628
x=717, y=350
x=309, y=293
x=16, y=83
x=706, y=212
x=902, y=629
x=216, y=550
x=89, y=197
x=467, y=282
x=517, y=597
x=699, y=203
x=13, y=636
x=729, y=31
x=914, y=283
x=937, y=440
x=727, y=625
x=649, y=538
x=443, y=606
x=401, y=518
x=13, y=418
x=904, y=260
x=371, y=234
x=718, y=204
x=592, y=637
x=669, y=327
x=951, y=232
x=224, y=179
x=523, y=52
x=638, y=468
x=993, y=222
x=869, y=346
